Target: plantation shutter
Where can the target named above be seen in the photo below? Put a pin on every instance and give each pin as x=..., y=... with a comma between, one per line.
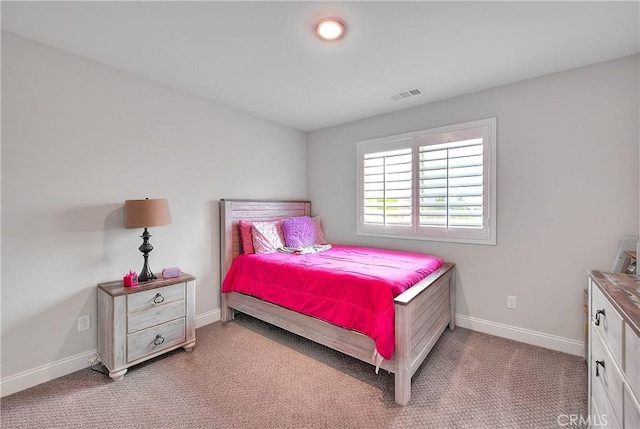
x=388, y=187
x=436, y=184
x=451, y=184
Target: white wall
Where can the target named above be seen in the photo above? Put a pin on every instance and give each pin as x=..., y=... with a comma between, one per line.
x=78, y=139
x=567, y=192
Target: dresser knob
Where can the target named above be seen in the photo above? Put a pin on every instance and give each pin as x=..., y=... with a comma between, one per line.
x=599, y=363
x=158, y=298
x=597, y=319
x=159, y=340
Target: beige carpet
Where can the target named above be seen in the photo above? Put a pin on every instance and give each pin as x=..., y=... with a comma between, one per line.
x=247, y=374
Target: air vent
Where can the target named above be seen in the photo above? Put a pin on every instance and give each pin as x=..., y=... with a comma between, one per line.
x=405, y=94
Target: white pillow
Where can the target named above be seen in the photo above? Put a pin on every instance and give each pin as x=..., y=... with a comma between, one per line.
x=267, y=237
x=317, y=227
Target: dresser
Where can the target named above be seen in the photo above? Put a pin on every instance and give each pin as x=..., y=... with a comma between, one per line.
x=614, y=350
x=139, y=323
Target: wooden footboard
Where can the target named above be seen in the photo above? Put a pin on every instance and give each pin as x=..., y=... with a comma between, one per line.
x=422, y=312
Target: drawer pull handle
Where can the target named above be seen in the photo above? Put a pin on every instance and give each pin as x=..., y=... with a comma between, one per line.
x=159, y=340
x=158, y=299
x=598, y=364
x=597, y=319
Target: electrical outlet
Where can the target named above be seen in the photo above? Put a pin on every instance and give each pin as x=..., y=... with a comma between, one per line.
x=511, y=302
x=84, y=323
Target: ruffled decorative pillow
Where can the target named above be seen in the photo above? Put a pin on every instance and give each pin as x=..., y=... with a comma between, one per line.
x=298, y=232
x=317, y=228
x=267, y=236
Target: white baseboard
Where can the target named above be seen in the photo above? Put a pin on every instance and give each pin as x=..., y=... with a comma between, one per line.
x=48, y=372
x=44, y=373
x=208, y=317
x=528, y=336
x=41, y=374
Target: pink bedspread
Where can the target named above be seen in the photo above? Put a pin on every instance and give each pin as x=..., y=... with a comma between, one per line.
x=352, y=287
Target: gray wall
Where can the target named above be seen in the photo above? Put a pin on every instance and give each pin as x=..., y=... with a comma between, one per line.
x=78, y=139
x=567, y=192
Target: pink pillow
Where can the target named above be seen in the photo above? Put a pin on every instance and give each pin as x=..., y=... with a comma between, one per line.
x=298, y=232
x=317, y=227
x=245, y=237
x=267, y=236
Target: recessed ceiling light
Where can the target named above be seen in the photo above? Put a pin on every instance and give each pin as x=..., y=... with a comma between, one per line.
x=330, y=29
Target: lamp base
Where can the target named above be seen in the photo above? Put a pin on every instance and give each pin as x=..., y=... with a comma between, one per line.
x=146, y=274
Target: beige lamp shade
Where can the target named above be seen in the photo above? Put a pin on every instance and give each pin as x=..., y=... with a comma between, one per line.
x=146, y=213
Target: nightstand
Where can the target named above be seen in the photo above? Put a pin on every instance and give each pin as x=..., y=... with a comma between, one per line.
x=139, y=323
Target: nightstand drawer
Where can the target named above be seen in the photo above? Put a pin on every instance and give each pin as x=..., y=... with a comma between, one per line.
x=608, y=323
x=155, y=316
x=155, y=339
x=155, y=297
x=609, y=378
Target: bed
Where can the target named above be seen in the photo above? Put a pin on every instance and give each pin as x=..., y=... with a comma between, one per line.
x=422, y=312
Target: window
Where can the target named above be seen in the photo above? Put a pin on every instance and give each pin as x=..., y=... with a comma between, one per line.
x=437, y=184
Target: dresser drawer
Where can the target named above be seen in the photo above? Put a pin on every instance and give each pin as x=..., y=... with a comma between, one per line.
x=594, y=417
x=609, y=380
x=606, y=320
x=155, y=315
x=602, y=415
x=155, y=297
x=632, y=359
x=155, y=339
x=631, y=410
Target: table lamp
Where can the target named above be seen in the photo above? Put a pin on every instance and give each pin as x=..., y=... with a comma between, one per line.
x=144, y=214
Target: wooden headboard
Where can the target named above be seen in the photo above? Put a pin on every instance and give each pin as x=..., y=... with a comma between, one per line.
x=231, y=211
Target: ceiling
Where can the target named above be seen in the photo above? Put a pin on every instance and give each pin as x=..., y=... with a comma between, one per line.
x=263, y=58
